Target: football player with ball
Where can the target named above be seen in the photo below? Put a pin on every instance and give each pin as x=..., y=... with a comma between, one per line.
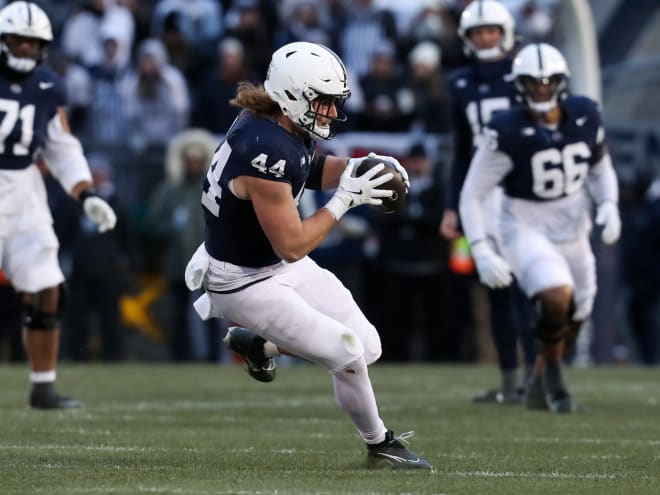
x=254, y=263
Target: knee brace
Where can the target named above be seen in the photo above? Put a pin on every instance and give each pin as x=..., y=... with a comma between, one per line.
x=550, y=329
x=36, y=318
x=574, y=327
x=550, y=332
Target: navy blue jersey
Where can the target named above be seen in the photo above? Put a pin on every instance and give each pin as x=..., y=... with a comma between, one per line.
x=548, y=163
x=27, y=105
x=476, y=92
x=257, y=147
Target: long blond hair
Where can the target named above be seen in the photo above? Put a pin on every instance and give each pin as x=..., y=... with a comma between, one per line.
x=255, y=100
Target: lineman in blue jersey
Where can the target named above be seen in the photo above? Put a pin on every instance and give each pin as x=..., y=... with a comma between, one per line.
x=254, y=265
x=547, y=154
x=478, y=91
x=33, y=126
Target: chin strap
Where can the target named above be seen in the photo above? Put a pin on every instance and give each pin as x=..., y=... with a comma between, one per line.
x=16, y=63
x=543, y=107
x=489, y=53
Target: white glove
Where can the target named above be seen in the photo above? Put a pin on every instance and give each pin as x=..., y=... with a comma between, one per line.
x=400, y=168
x=608, y=217
x=355, y=191
x=494, y=271
x=99, y=212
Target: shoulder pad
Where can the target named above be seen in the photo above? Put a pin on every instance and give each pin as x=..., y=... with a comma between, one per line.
x=456, y=76
x=51, y=83
x=574, y=104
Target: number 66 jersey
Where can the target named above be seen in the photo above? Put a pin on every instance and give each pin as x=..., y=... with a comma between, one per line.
x=544, y=171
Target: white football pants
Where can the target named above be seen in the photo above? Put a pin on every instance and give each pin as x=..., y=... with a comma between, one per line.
x=306, y=310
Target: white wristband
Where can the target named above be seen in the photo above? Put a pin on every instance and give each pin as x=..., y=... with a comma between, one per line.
x=336, y=207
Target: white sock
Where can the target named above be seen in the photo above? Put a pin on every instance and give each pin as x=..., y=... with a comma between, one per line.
x=355, y=395
x=271, y=350
x=42, y=376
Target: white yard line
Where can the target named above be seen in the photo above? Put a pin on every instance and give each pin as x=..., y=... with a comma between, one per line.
x=530, y=475
x=150, y=450
x=102, y=448
x=190, y=491
x=598, y=441
x=215, y=405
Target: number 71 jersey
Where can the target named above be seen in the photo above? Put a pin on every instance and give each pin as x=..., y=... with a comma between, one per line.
x=27, y=105
x=548, y=163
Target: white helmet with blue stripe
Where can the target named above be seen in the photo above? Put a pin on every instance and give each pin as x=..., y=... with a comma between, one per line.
x=28, y=20
x=487, y=13
x=301, y=72
x=540, y=63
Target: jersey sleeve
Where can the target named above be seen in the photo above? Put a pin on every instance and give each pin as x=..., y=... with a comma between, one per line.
x=53, y=87
x=500, y=133
x=585, y=117
x=256, y=156
x=315, y=177
x=487, y=169
x=59, y=93
x=599, y=149
x=602, y=180
x=462, y=135
x=64, y=156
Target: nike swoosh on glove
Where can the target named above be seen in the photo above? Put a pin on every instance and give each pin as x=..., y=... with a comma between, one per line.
x=355, y=191
x=608, y=217
x=100, y=212
x=494, y=271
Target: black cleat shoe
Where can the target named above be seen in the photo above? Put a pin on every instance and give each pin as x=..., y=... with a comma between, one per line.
x=557, y=396
x=496, y=396
x=535, y=395
x=44, y=396
x=251, y=348
x=559, y=401
x=392, y=453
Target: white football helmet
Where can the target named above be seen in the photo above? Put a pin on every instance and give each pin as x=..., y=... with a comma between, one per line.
x=28, y=20
x=540, y=63
x=301, y=72
x=486, y=13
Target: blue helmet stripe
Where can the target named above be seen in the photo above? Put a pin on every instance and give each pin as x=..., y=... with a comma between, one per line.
x=538, y=50
x=29, y=13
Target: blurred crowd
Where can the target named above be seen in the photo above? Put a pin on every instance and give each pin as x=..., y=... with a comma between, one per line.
x=148, y=85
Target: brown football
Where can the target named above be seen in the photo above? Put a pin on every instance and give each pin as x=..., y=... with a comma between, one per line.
x=395, y=184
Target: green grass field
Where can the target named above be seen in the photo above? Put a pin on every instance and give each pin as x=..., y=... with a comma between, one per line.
x=204, y=429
